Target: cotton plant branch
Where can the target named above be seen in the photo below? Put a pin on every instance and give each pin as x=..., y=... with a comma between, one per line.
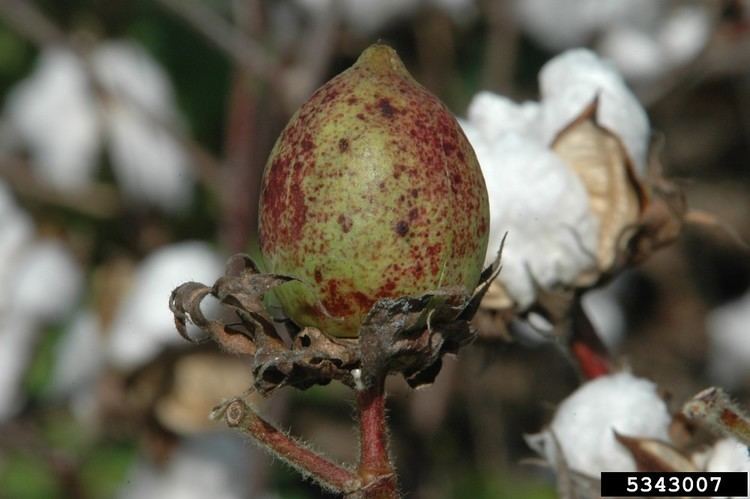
x=97, y=201
x=715, y=409
x=333, y=477
x=242, y=49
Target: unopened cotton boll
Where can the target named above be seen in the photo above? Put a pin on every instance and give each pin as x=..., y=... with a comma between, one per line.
x=144, y=325
x=585, y=423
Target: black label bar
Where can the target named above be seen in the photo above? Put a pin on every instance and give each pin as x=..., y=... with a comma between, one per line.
x=658, y=484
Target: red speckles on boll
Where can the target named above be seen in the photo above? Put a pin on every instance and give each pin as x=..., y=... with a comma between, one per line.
x=386, y=108
x=345, y=222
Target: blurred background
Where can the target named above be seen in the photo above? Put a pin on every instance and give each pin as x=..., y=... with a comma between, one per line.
x=133, y=135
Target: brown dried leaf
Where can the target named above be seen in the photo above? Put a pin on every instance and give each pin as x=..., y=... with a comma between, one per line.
x=601, y=162
x=313, y=359
x=185, y=304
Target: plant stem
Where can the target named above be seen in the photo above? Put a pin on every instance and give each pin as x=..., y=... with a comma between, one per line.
x=586, y=346
x=714, y=408
x=328, y=474
x=375, y=469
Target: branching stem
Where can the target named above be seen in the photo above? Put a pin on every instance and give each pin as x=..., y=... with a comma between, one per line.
x=311, y=464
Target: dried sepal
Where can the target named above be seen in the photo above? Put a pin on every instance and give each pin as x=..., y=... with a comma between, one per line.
x=651, y=454
x=313, y=358
x=599, y=159
x=406, y=335
x=571, y=483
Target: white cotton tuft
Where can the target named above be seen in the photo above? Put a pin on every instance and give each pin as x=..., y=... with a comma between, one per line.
x=18, y=336
x=684, y=34
x=574, y=80
x=563, y=25
x=61, y=120
x=728, y=455
x=150, y=165
x=585, y=422
x=16, y=232
x=636, y=53
x=604, y=310
x=54, y=115
x=144, y=325
x=534, y=197
x=211, y=465
x=728, y=329
x=46, y=282
x=128, y=71
x=78, y=356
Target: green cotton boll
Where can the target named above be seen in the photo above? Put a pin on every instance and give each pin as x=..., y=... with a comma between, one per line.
x=371, y=191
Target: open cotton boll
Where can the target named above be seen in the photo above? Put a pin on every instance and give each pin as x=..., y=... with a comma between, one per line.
x=636, y=53
x=562, y=25
x=18, y=335
x=79, y=355
x=55, y=117
x=16, y=231
x=150, y=165
x=144, y=325
x=214, y=465
x=728, y=455
x=535, y=197
x=585, y=422
x=604, y=310
x=128, y=71
x=684, y=34
x=366, y=17
x=729, y=342
x=573, y=81
x=46, y=282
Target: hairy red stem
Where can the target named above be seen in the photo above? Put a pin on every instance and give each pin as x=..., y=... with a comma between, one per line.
x=328, y=474
x=587, y=348
x=375, y=469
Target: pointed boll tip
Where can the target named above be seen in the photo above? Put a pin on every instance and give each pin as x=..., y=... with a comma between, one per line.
x=380, y=57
